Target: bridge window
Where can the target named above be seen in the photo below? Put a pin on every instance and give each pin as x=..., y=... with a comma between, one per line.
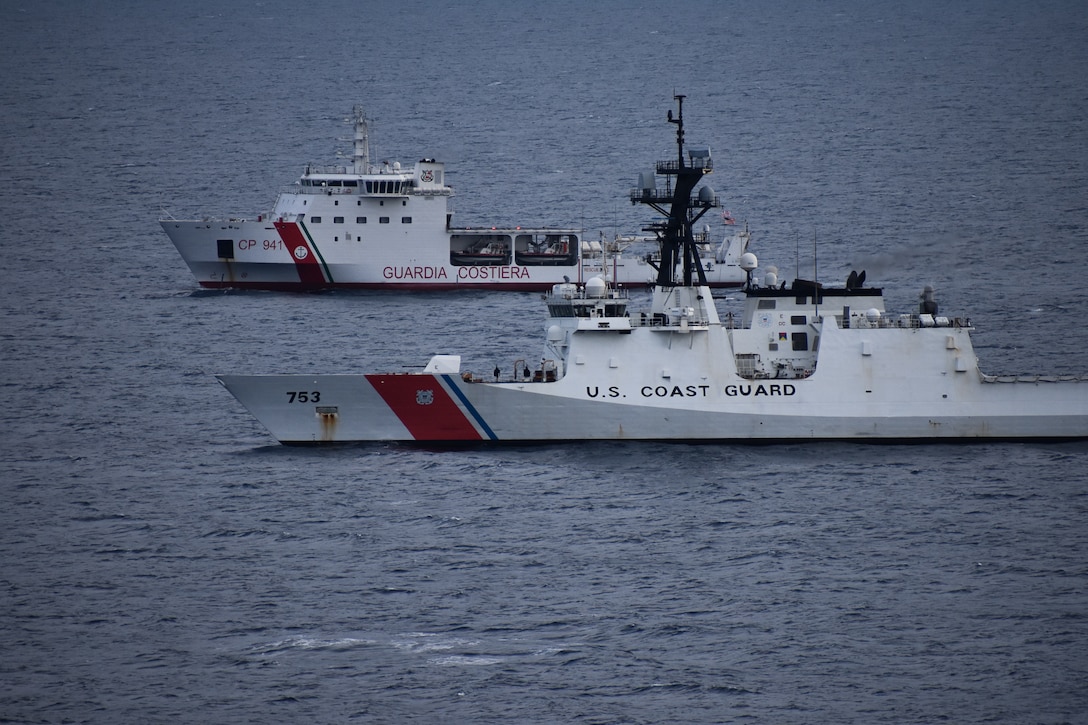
x=406, y=220
x=315, y=220
x=338, y=220
x=383, y=187
x=383, y=220
x=800, y=341
x=360, y=220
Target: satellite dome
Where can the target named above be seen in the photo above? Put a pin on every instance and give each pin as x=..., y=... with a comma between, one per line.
x=596, y=287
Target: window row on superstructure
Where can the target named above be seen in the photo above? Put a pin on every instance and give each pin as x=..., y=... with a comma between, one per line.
x=360, y=220
x=390, y=186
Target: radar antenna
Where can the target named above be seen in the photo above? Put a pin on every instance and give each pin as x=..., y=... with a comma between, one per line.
x=361, y=155
x=681, y=208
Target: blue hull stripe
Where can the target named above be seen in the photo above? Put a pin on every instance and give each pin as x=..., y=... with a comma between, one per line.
x=469, y=407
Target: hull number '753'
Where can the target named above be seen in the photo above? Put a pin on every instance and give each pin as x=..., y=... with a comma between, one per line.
x=303, y=396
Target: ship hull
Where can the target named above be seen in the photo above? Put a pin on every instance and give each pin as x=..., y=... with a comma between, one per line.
x=445, y=408
x=288, y=256
x=293, y=256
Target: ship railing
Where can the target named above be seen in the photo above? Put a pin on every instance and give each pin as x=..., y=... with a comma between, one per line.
x=859, y=320
x=316, y=169
x=662, y=320
x=353, y=189
x=1033, y=378
x=360, y=191
x=699, y=163
x=663, y=196
x=319, y=190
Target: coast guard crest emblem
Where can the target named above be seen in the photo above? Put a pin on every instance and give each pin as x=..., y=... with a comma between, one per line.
x=424, y=397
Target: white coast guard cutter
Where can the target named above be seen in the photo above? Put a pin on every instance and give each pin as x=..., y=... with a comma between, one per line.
x=802, y=362
x=388, y=227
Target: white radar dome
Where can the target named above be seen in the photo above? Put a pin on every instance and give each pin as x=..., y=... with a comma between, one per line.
x=748, y=261
x=872, y=314
x=596, y=287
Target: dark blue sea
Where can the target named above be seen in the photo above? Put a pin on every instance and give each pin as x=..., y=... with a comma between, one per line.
x=163, y=560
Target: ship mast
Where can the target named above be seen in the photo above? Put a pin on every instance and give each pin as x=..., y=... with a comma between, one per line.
x=681, y=209
x=361, y=155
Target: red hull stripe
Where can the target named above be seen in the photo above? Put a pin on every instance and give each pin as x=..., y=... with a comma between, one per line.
x=424, y=407
x=306, y=261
